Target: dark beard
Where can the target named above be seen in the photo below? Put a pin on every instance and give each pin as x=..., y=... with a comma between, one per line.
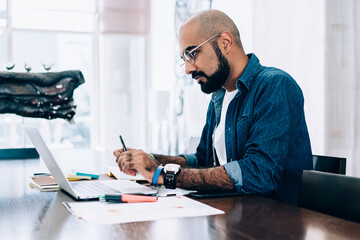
x=218, y=78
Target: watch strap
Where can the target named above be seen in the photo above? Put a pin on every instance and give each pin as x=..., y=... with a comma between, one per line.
x=170, y=179
x=156, y=175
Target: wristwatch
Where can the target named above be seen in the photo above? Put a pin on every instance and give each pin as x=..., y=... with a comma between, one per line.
x=171, y=171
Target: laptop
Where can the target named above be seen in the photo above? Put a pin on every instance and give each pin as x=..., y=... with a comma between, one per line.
x=82, y=190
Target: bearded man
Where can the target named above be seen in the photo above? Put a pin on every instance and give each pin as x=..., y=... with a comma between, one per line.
x=255, y=139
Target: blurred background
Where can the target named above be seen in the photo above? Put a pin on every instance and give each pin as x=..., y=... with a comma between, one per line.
x=127, y=51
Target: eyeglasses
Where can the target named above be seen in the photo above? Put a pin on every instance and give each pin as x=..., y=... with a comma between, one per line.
x=190, y=55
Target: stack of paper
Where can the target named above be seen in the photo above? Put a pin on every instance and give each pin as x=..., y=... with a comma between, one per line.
x=44, y=183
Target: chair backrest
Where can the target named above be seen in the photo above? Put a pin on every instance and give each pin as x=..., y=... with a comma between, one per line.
x=332, y=194
x=329, y=164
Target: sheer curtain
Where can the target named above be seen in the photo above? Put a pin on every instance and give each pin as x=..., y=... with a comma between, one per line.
x=342, y=77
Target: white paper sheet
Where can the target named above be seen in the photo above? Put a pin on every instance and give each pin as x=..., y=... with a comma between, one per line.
x=166, y=192
x=126, y=186
x=165, y=207
x=122, y=176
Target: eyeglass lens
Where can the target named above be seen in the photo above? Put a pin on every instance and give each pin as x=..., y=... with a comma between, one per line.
x=189, y=57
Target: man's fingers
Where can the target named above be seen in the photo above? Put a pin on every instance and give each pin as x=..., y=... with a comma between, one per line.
x=130, y=172
x=117, y=152
x=133, y=161
x=128, y=168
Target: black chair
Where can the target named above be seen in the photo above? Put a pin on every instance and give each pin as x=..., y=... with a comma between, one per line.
x=332, y=194
x=329, y=164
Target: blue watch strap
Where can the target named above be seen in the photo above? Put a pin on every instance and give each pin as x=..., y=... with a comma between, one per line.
x=156, y=175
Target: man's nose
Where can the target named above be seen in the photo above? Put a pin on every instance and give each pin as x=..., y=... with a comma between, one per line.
x=189, y=68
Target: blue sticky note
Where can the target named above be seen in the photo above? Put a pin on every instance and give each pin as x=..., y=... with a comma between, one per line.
x=85, y=173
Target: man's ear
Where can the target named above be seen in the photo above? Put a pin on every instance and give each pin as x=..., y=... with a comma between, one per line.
x=226, y=41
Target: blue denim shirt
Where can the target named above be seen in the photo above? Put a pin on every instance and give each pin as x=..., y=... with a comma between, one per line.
x=267, y=141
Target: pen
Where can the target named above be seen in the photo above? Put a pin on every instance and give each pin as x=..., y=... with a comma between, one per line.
x=126, y=198
x=122, y=142
x=42, y=174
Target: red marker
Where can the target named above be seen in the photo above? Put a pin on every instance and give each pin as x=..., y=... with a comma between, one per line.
x=127, y=198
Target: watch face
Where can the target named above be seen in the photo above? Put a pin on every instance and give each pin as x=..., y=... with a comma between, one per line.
x=171, y=168
x=170, y=172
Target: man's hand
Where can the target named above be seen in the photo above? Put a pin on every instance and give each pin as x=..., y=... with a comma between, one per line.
x=117, y=154
x=134, y=160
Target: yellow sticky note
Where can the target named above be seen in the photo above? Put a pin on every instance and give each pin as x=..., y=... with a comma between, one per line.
x=71, y=177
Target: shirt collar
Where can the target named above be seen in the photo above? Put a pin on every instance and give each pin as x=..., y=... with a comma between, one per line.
x=246, y=77
x=249, y=72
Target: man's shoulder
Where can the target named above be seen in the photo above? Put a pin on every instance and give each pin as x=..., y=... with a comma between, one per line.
x=271, y=76
x=272, y=73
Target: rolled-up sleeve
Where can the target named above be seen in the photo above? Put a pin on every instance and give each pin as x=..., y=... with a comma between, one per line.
x=234, y=171
x=191, y=160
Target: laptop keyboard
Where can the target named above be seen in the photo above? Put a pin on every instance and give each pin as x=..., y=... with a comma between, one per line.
x=93, y=188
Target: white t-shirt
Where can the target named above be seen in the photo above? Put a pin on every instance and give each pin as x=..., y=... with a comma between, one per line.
x=219, y=138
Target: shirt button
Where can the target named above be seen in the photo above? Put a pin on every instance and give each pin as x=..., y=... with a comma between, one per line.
x=230, y=159
x=229, y=129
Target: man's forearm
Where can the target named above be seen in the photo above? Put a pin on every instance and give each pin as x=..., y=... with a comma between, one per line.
x=215, y=178
x=163, y=159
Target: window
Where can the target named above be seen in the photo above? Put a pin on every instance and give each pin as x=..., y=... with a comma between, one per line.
x=65, y=15
x=45, y=32
x=65, y=51
x=65, y=33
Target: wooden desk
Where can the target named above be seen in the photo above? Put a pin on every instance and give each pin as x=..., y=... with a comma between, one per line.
x=26, y=213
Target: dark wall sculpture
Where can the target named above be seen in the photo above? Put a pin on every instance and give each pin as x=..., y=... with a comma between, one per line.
x=41, y=95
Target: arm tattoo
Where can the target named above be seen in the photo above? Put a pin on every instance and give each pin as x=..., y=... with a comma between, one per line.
x=215, y=178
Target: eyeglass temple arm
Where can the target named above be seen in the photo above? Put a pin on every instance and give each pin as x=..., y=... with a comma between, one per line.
x=192, y=50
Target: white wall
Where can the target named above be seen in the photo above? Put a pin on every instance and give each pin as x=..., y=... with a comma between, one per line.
x=241, y=12
x=290, y=35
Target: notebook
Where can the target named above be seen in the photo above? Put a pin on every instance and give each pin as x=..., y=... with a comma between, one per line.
x=82, y=190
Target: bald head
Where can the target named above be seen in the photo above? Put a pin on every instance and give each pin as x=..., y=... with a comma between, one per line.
x=211, y=22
